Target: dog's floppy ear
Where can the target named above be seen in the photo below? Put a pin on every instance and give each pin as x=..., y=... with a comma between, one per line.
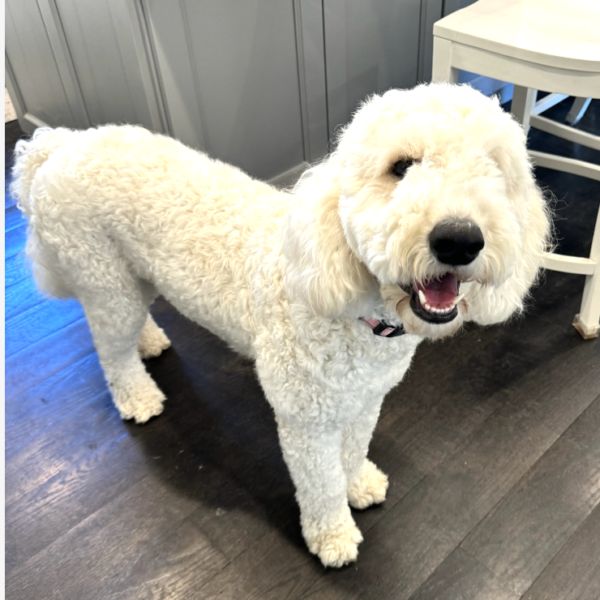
x=488, y=304
x=321, y=271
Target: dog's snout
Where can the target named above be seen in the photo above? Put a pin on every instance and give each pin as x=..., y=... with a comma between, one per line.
x=456, y=242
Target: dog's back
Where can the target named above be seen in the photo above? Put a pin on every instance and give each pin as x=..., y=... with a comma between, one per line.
x=145, y=208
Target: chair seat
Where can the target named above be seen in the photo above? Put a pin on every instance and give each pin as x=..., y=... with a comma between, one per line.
x=564, y=34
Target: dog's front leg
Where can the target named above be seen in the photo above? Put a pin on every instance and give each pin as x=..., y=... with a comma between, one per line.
x=367, y=485
x=313, y=457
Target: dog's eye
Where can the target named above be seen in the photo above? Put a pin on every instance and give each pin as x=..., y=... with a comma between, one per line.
x=399, y=168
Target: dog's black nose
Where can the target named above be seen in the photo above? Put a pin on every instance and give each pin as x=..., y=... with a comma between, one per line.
x=456, y=242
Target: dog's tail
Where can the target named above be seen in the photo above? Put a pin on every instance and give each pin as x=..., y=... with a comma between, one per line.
x=29, y=156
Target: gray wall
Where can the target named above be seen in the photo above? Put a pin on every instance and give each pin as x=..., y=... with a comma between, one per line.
x=41, y=83
x=112, y=74
x=451, y=6
x=229, y=76
x=262, y=84
x=371, y=46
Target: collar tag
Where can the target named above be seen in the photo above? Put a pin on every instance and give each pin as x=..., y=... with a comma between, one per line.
x=382, y=329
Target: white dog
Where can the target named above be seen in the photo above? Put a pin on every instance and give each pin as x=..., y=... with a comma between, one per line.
x=329, y=288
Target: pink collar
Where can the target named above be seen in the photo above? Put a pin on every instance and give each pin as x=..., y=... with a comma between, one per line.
x=382, y=329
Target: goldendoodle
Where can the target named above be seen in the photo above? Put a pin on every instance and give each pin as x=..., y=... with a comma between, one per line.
x=425, y=216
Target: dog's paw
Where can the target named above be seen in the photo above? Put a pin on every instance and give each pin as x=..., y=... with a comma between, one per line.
x=140, y=402
x=152, y=341
x=368, y=487
x=337, y=546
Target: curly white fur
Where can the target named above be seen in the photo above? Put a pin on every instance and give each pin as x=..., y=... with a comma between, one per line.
x=118, y=215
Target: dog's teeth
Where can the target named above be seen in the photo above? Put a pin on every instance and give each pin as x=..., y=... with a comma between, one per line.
x=435, y=310
x=457, y=300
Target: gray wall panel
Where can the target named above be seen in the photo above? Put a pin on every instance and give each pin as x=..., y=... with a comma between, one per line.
x=35, y=73
x=370, y=46
x=451, y=6
x=230, y=79
x=431, y=11
x=102, y=46
x=310, y=42
x=260, y=83
x=169, y=41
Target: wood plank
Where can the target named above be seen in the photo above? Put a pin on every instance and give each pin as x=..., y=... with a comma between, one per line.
x=461, y=576
x=14, y=242
x=176, y=567
x=13, y=218
x=57, y=447
x=67, y=494
x=125, y=548
x=42, y=405
x=286, y=571
x=235, y=508
x=21, y=296
x=51, y=354
x=40, y=321
x=15, y=267
x=528, y=527
x=9, y=200
x=574, y=573
x=402, y=550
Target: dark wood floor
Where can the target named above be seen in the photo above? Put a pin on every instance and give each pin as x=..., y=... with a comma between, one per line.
x=492, y=444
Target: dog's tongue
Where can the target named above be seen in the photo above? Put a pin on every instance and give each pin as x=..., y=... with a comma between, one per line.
x=440, y=292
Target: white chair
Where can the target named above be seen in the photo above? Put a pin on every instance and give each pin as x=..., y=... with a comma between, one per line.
x=551, y=45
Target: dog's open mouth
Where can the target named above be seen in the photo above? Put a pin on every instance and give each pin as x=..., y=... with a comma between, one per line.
x=436, y=301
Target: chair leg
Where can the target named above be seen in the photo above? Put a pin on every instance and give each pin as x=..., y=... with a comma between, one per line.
x=577, y=110
x=442, y=69
x=522, y=105
x=587, y=322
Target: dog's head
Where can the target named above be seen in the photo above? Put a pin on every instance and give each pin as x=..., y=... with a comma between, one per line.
x=429, y=203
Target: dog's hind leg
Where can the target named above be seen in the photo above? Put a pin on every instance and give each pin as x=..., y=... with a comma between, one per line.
x=153, y=340
x=367, y=485
x=116, y=307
